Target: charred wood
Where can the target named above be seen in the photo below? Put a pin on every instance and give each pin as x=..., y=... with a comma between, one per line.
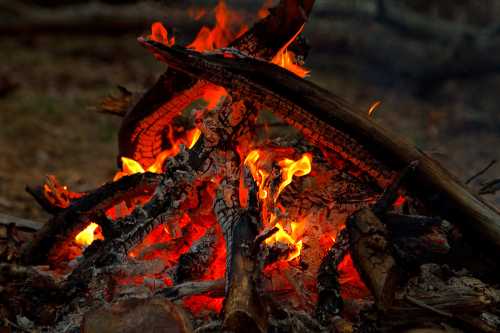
x=213, y=288
x=194, y=263
x=371, y=254
x=409, y=225
x=329, y=299
x=65, y=226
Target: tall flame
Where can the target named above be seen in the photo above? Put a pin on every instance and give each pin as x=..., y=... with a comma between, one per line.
x=288, y=60
x=289, y=169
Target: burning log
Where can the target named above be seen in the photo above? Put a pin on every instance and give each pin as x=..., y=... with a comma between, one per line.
x=340, y=129
x=242, y=308
x=371, y=252
x=63, y=227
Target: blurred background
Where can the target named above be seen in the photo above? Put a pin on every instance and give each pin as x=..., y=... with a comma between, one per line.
x=434, y=64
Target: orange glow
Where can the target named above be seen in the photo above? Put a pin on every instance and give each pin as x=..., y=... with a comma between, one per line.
x=289, y=239
x=160, y=34
x=222, y=34
x=288, y=60
x=264, y=10
x=86, y=236
x=373, y=107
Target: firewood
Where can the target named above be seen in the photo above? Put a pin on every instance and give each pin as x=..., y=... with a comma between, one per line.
x=329, y=300
x=371, y=253
x=409, y=225
x=20, y=223
x=138, y=315
x=242, y=309
x=63, y=227
x=194, y=263
x=352, y=135
x=212, y=287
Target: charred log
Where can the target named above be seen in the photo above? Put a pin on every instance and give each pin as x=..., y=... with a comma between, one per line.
x=213, y=288
x=371, y=253
x=329, y=300
x=65, y=226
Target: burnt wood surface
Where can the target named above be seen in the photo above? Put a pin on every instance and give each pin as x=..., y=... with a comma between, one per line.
x=329, y=121
x=63, y=227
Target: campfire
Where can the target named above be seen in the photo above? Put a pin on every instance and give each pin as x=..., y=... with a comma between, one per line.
x=248, y=199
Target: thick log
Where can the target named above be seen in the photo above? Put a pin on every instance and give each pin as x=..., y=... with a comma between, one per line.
x=371, y=253
x=63, y=227
x=353, y=135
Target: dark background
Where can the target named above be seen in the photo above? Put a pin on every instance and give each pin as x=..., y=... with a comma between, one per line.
x=434, y=64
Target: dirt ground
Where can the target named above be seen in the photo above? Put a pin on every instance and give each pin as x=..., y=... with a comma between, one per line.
x=48, y=126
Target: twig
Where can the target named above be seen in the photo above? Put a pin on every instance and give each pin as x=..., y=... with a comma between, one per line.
x=423, y=305
x=481, y=172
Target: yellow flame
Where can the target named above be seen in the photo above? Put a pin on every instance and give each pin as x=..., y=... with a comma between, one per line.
x=292, y=168
x=195, y=136
x=281, y=236
x=86, y=236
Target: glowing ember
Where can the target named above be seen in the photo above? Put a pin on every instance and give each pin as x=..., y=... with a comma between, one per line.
x=86, y=237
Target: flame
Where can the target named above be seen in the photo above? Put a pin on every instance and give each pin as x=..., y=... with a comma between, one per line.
x=222, y=34
x=86, y=236
x=288, y=60
x=264, y=10
x=255, y=161
x=130, y=166
x=292, y=168
x=283, y=237
x=160, y=34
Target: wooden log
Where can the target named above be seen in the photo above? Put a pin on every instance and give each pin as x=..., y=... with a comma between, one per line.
x=213, y=287
x=242, y=309
x=63, y=227
x=371, y=254
x=20, y=223
x=329, y=121
x=330, y=302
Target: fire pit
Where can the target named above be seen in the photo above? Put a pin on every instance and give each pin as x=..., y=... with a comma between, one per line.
x=251, y=200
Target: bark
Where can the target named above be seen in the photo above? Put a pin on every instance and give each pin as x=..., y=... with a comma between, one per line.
x=213, y=288
x=328, y=121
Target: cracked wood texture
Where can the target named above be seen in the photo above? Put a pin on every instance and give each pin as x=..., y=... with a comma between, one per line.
x=330, y=122
x=148, y=128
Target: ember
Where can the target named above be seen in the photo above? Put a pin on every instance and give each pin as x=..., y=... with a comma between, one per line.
x=247, y=228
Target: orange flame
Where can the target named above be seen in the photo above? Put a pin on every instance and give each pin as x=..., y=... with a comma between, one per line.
x=222, y=34
x=130, y=166
x=289, y=169
x=160, y=34
x=288, y=60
